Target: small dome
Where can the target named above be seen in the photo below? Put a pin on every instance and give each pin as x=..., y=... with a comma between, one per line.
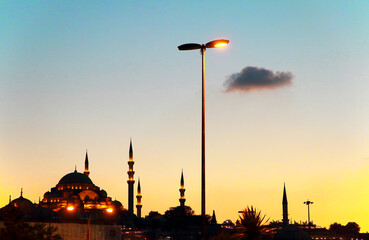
x=22, y=203
x=75, y=177
x=117, y=203
x=290, y=232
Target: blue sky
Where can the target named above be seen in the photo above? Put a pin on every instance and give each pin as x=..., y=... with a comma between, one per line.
x=91, y=74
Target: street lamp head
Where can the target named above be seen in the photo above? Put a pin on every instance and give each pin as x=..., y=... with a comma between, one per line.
x=70, y=208
x=217, y=43
x=189, y=46
x=213, y=44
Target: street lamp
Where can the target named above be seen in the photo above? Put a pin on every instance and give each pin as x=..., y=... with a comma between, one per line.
x=193, y=46
x=308, y=204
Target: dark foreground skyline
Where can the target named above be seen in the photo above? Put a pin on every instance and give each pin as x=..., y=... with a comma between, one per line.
x=90, y=75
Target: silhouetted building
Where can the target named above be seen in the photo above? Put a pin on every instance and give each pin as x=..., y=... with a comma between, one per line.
x=289, y=232
x=71, y=225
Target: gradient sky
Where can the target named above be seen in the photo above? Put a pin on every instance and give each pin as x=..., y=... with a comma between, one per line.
x=77, y=75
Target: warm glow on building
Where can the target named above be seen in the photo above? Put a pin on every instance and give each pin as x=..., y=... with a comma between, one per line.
x=109, y=210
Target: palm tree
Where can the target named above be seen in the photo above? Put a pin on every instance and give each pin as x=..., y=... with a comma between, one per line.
x=251, y=225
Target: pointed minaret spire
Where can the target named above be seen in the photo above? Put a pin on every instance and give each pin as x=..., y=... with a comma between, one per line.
x=285, y=206
x=10, y=198
x=182, y=190
x=182, y=179
x=21, y=192
x=139, y=197
x=130, y=149
x=214, y=219
x=86, y=172
x=131, y=180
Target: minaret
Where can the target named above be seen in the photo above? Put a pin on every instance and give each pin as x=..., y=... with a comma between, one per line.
x=10, y=198
x=182, y=190
x=131, y=180
x=86, y=172
x=139, y=196
x=214, y=219
x=285, y=207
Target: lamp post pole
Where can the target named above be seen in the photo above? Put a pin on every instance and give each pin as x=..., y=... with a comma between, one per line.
x=203, y=216
x=89, y=213
x=308, y=204
x=192, y=46
x=88, y=226
x=88, y=233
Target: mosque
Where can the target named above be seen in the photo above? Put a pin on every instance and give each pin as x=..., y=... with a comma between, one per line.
x=76, y=190
x=76, y=199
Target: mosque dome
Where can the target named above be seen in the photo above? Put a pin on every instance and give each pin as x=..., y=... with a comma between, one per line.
x=22, y=203
x=117, y=203
x=75, y=177
x=290, y=232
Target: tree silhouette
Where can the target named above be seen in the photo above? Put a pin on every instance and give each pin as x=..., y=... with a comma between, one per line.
x=26, y=231
x=251, y=225
x=178, y=217
x=16, y=227
x=351, y=228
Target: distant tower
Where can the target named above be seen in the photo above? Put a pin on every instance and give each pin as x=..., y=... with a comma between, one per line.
x=285, y=206
x=86, y=172
x=214, y=219
x=131, y=180
x=182, y=190
x=10, y=198
x=139, y=196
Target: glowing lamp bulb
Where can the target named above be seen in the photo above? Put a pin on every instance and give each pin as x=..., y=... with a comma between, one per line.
x=109, y=210
x=70, y=208
x=221, y=44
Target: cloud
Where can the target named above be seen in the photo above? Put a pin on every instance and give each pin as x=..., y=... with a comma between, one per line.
x=257, y=78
